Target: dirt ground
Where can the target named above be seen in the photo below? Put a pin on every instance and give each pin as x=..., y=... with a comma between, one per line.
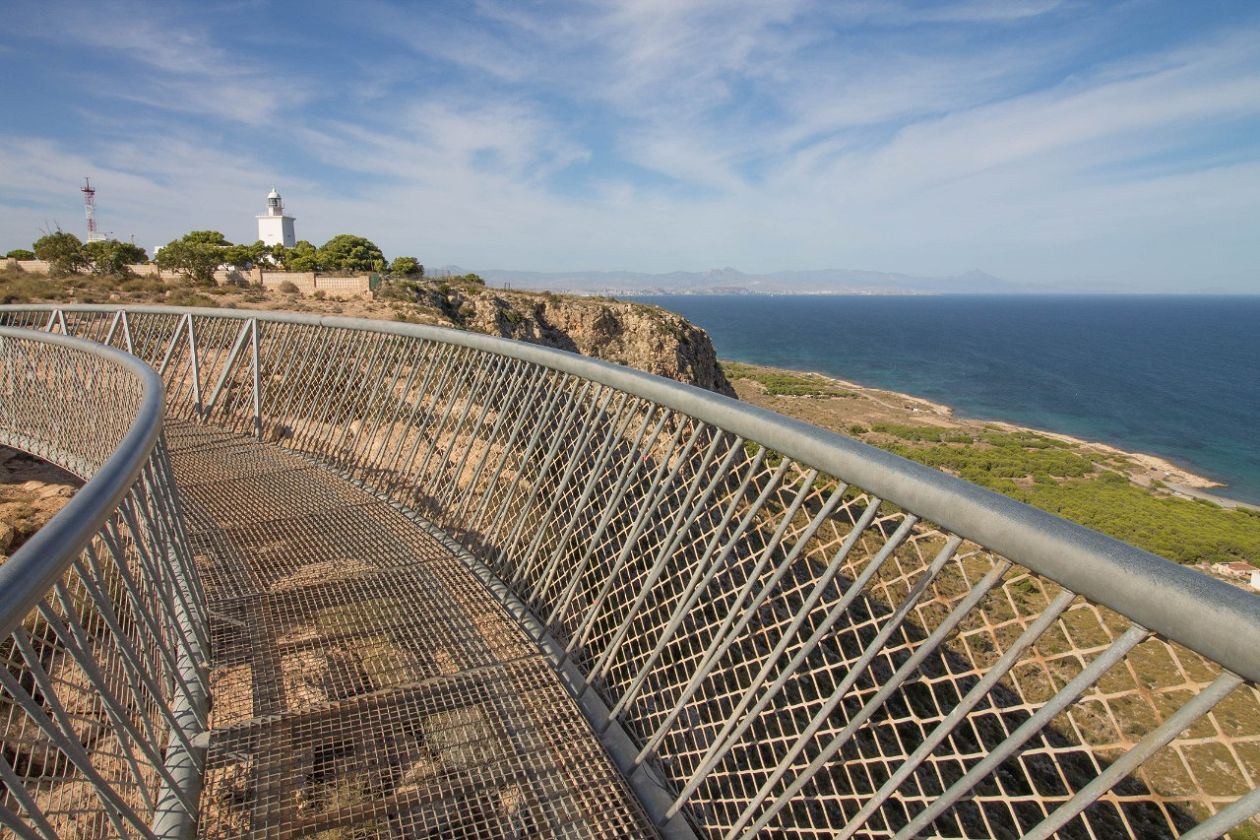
x=31, y=493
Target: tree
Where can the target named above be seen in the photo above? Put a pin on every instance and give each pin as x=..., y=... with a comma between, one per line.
x=206, y=237
x=245, y=256
x=302, y=257
x=63, y=251
x=346, y=252
x=408, y=266
x=195, y=255
x=109, y=256
x=20, y=254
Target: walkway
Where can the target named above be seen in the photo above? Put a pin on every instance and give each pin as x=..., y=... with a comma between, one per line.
x=365, y=685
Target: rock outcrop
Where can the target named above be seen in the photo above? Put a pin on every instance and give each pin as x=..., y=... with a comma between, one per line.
x=633, y=334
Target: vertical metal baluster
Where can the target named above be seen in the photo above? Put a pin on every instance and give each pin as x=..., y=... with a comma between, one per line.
x=1035, y=723
x=716, y=642
x=256, y=366
x=196, y=369
x=612, y=508
x=659, y=490
x=927, y=647
x=612, y=426
x=544, y=418
x=610, y=505
x=693, y=508
x=854, y=671
x=706, y=568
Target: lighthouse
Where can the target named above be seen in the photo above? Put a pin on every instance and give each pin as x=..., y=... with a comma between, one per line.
x=275, y=228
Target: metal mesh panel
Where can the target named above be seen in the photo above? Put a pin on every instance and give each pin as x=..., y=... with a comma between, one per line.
x=364, y=684
x=100, y=685
x=795, y=655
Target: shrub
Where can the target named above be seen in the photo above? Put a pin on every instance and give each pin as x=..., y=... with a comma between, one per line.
x=20, y=254
x=288, y=287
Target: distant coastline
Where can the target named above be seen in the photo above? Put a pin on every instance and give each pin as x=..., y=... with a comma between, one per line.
x=1171, y=378
x=1179, y=480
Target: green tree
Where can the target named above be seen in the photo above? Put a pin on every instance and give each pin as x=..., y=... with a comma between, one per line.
x=206, y=237
x=195, y=255
x=63, y=251
x=20, y=254
x=408, y=266
x=245, y=256
x=302, y=257
x=109, y=256
x=346, y=252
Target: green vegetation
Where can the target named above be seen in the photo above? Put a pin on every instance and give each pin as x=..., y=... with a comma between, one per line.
x=347, y=252
x=1181, y=530
x=1052, y=475
x=245, y=256
x=111, y=257
x=63, y=251
x=407, y=267
x=196, y=255
x=783, y=383
x=20, y=254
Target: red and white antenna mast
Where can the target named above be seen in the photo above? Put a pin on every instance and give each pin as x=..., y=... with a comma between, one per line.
x=89, y=208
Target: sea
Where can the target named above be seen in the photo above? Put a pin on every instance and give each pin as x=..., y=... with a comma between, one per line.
x=1173, y=376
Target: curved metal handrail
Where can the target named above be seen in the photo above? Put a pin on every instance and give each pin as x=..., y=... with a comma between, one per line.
x=341, y=381
x=89, y=619
x=1179, y=603
x=26, y=577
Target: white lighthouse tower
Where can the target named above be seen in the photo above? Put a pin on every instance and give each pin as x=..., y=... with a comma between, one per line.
x=275, y=228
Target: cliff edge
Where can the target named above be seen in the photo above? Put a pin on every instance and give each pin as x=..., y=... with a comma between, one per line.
x=637, y=335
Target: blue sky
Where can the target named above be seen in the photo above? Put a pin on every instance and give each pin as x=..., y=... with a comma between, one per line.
x=1079, y=145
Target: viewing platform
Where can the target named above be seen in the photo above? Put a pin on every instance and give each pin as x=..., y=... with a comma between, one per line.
x=351, y=579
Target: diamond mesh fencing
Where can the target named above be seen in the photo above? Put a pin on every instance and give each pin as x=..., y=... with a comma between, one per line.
x=103, y=627
x=796, y=641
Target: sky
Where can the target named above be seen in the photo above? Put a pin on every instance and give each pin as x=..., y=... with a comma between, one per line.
x=1074, y=145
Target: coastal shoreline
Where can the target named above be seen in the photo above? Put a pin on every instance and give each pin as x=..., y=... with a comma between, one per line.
x=1147, y=468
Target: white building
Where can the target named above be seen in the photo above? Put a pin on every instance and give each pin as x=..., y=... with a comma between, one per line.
x=275, y=228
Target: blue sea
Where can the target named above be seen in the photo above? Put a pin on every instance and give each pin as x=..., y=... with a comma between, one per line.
x=1173, y=376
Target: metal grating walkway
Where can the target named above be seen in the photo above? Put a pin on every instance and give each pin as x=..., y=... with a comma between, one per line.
x=365, y=685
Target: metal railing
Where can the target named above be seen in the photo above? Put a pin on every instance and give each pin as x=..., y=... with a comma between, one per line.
x=102, y=630
x=799, y=634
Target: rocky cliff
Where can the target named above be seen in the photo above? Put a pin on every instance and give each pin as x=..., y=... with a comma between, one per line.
x=633, y=334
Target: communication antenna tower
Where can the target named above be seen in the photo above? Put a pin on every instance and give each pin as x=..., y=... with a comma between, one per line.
x=89, y=208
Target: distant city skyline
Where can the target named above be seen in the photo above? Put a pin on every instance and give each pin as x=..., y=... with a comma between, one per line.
x=1057, y=143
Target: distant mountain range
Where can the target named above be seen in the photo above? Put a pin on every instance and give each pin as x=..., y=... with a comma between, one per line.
x=732, y=281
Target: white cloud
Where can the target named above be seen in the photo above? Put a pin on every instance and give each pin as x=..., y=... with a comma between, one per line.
x=782, y=141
